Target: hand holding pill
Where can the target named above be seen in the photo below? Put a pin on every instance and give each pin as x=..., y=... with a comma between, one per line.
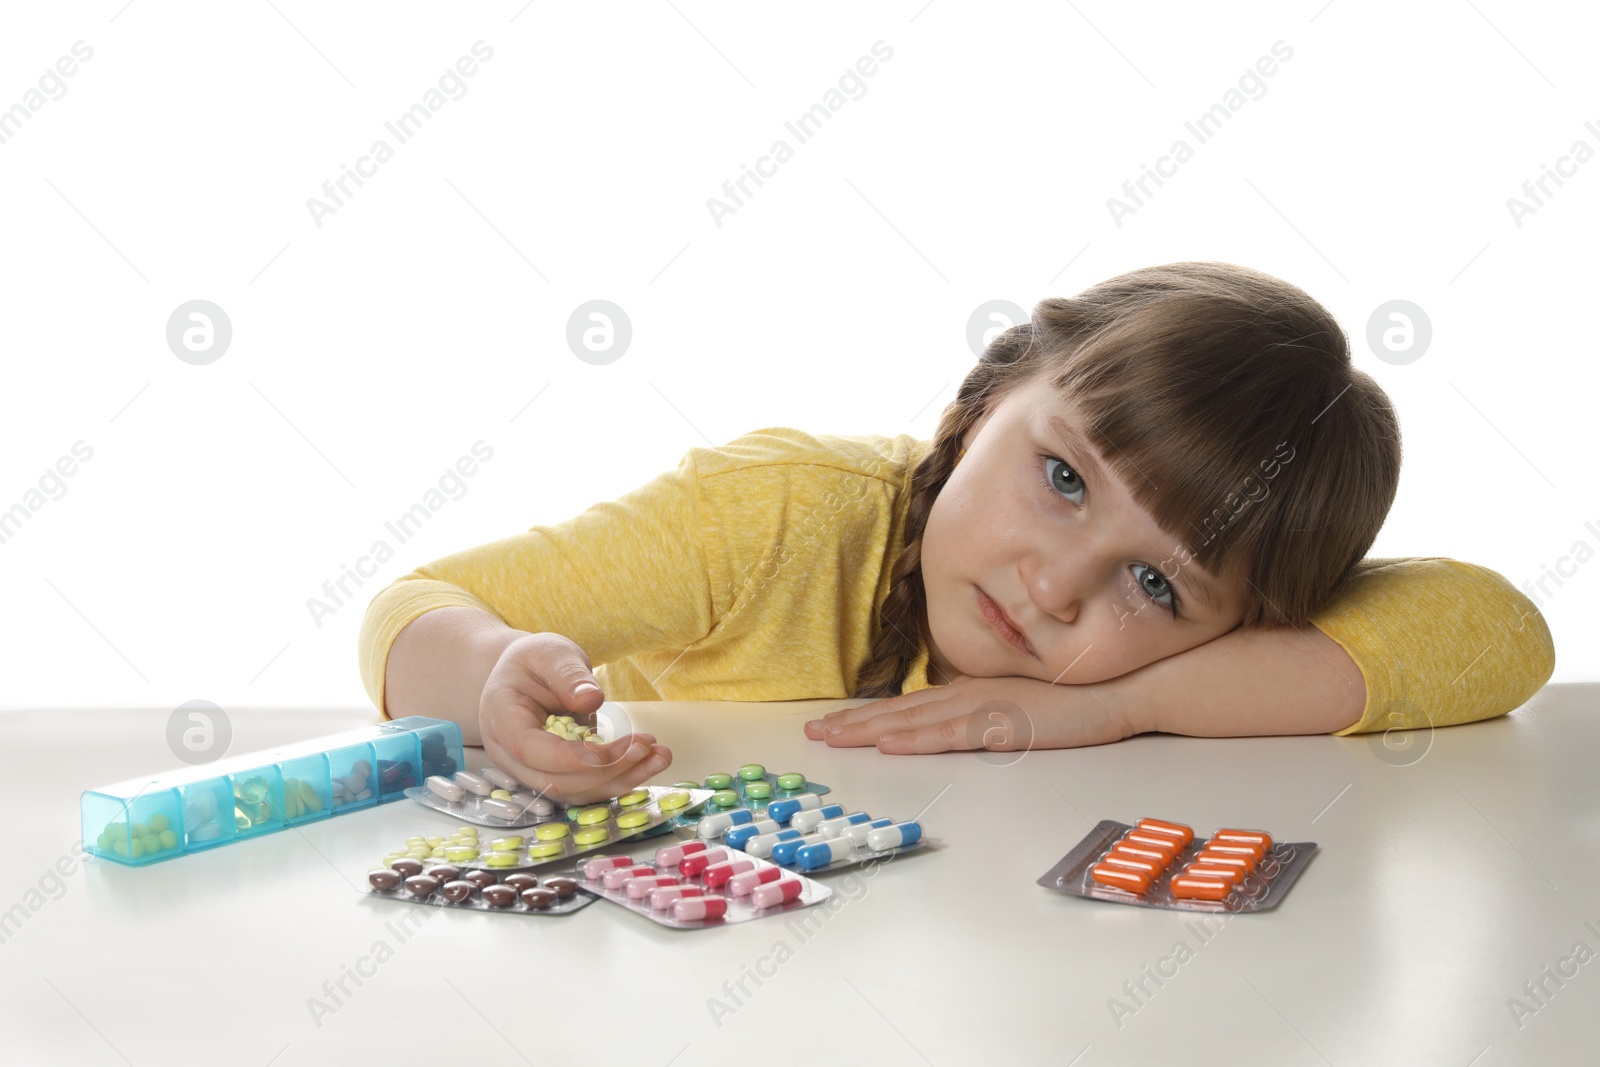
x=542, y=677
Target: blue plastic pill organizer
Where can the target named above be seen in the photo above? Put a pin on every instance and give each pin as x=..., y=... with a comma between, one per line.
x=195, y=808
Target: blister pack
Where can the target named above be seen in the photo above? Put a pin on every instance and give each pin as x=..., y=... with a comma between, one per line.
x=445, y=885
x=1158, y=864
x=483, y=800
x=802, y=833
x=690, y=890
x=750, y=788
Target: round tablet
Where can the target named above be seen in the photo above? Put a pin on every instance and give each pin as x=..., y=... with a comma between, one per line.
x=456, y=892
x=421, y=885
x=563, y=887
x=480, y=878
x=758, y=790
x=461, y=853
x=502, y=859
x=590, y=816
x=752, y=771
x=499, y=896
x=407, y=866
x=718, y=781
x=443, y=871
x=686, y=785
x=520, y=881
x=724, y=798
x=546, y=849
x=674, y=800
x=593, y=835
x=507, y=844
x=628, y=820
x=538, y=898
x=791, y=781
x=384, y=878
x=634, y=799
x=550, y=831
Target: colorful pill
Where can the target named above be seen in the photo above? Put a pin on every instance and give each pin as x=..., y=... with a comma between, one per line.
x=1243, y=837
x=1190, y=887
x=811, y=857
x=1143, y=852
x=738, y=835
x=835, y=827
x=719, y=874
x=774, y=893
x=857, y=834
x=564, y=887
x=538, y=899
x=591, y=836
x=1171, y=829
x=752, y=772
x=519, y=881
x=897, y=836
x=1119, y=878
x=742, y=884
x=784, y=852
x=461, y=853
x=500, y=778
x=638, y=887
x=724, y=798
x=444, y=787
x=507, y=844
x=690, y=909
x=781, y=811
x=1208, y=870
x=718, y=781
x=467, y=831
x=673, y=801
x=672, y=855
x=792, y=782
x=1243, y=864
x=546, y=849
x=502, y=859
x=406, y=866
x=481, y=879
x=1169, y=845
x=632, y=820
x=686, y=785
x=693, y=865
x=634, y=799
x=761, y=845
x=806, y=821
x=550, y=831
x=594, y=868
x=614, y=878
x=660, y=899
x=499, y=896
x=1235, y=848
x=713, y=825
x=473, y=784
x=501, y=794
x=1149, y=868
x=757, y=790
x=505, y=809
x=591, y=816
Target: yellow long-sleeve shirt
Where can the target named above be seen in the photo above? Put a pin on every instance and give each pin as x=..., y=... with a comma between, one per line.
x=753, y=572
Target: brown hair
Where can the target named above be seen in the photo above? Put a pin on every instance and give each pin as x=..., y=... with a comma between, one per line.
x=1225, y=400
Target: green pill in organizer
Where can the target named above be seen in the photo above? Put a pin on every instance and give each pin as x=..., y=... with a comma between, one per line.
x=758, y=790
x=590, y=816
x=718, y=781
x=634, y=799
x=630, y=819
x=675, y=800
x=725, y=798
x=502, y=859
x=751, y=772
x=550, y=831
x=592, y=836
x=546, y=849
x=791, y=781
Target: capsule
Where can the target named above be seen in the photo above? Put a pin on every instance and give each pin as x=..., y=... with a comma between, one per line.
x=806, y=821
x=500, y=778
x=445, y=788
x=1120, y=878
x=1171, y=829
x=690, y=909
x=660, y=899
x=1148, y=868
x=1243, y=864
x=614, y=878
x=761, y=845
x=1243, y=837
x=1191, y=887
x=697, y=863
x=1236, y=848
x=1169, y=845
x=638, y=887
x=784, y=851
x=834, y=827
x=1208, y=870
x=897, y=836
x=718, y=874
x=857, y=834
x=742, y=884
x=781, y=811
x=713, y=825
x=672, y=855
x=738, y=835
x=597, y=866
x=811, y=857
x=1155, y=855
x=473, y=784
x=505, y=809
x=775, y=893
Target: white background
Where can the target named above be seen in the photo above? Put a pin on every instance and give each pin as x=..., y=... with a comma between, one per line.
x=430, y=310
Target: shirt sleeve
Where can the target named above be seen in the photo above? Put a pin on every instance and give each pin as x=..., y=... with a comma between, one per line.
x=626, y=576
x=1438, y=641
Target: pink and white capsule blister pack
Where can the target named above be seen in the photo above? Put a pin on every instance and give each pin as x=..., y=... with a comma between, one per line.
x=693, y=885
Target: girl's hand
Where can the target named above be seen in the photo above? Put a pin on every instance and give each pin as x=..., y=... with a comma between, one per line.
x=997, y=714
x=537, y=676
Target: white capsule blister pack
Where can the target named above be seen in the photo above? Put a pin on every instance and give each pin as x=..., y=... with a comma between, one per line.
x=692, y=885
x=804, y=834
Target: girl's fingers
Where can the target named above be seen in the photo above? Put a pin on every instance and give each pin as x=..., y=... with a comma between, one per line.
x=535, y=761
x=867, y=732
x=817, y=729
x=946, y=735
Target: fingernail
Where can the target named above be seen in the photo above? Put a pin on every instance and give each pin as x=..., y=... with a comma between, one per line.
x=585, y=688
x=835, y=730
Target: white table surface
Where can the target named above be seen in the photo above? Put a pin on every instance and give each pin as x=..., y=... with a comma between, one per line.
x=1442, y=884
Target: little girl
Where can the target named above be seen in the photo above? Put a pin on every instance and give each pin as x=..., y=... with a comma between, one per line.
x=1146, y=510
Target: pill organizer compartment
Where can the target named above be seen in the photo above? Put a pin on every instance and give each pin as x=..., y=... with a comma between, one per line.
x=149, y=819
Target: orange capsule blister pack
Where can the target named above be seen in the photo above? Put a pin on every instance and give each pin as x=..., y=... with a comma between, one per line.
x=1161, y=864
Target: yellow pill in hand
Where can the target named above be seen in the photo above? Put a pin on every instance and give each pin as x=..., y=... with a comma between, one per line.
x=506, y=844
x=435, y=842
x=501, y=794
x=547, y=848
x=550, y=831
x=634, y=799
x=630, y=819
x=592, y=836
x=590, y=816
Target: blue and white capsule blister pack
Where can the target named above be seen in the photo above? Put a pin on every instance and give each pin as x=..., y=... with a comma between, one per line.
x=804, y=834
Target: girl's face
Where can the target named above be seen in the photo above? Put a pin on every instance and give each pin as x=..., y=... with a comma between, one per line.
x=1033, y=521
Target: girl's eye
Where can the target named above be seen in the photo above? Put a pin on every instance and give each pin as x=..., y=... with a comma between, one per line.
x=1156, y=586
x=1069, y=480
